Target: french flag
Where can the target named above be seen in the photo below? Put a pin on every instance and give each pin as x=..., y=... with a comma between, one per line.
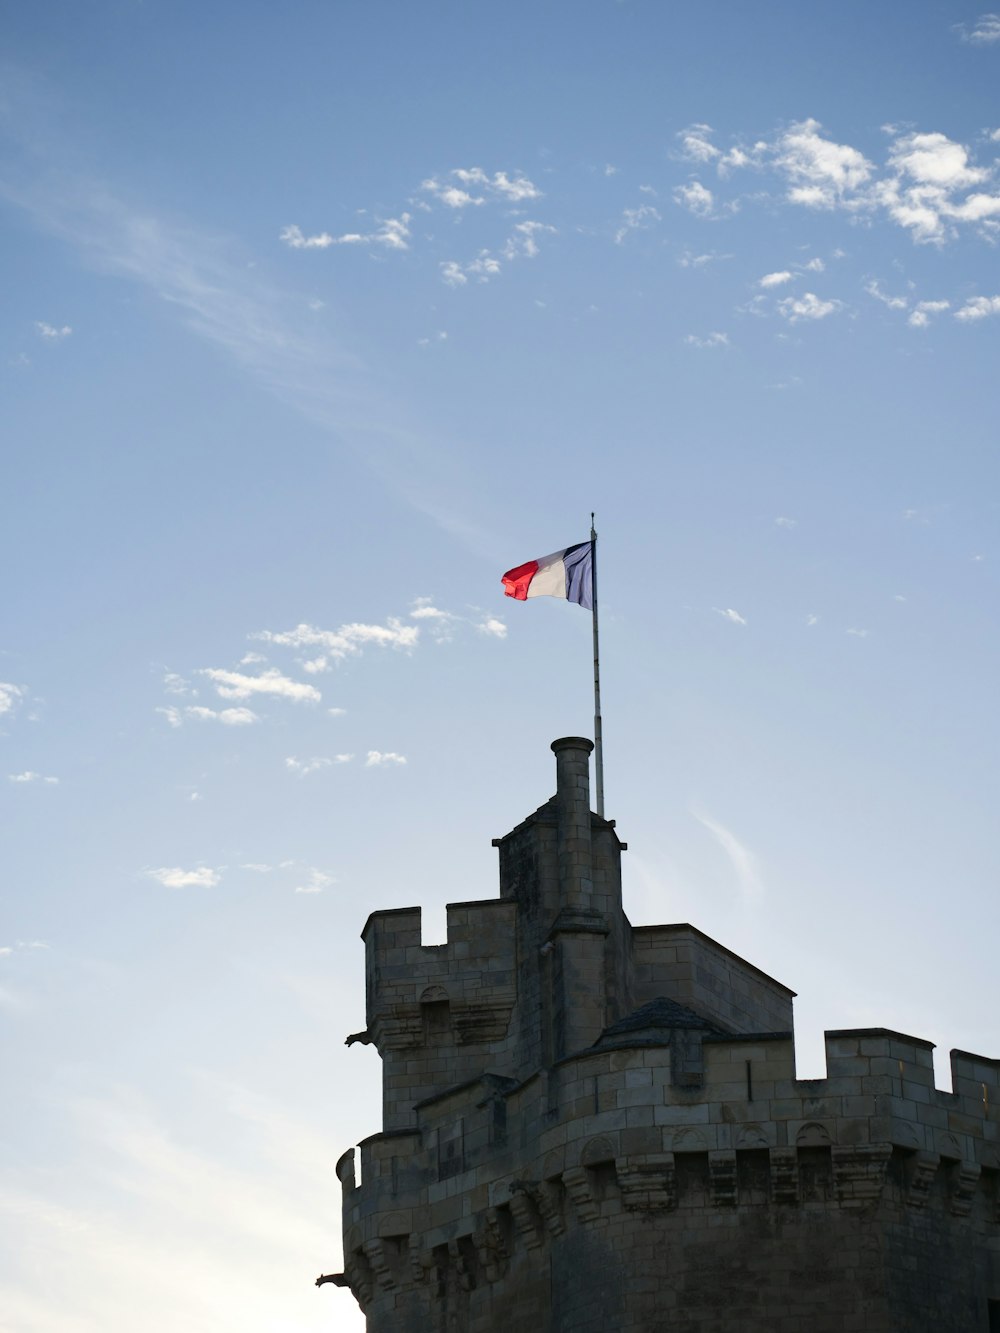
x=567, y=573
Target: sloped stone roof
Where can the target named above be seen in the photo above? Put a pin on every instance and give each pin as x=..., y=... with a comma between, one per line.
x=655, y=1021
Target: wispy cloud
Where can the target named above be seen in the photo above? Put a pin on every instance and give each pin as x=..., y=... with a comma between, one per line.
x=775, y=279
x=236, y=685
x=378, y=758
x=979, y=307
x=10, y=697
x=50, y=332
x=198, y=1235
x=984, y=32
x=349, y=640
x=229, y=717
x=709, y=341
x=782, y=522
x=314, y=882
x=173, y=877
x=29, y=776
x=522, y=242
x=696, y=198
x=500, y=186
x=637, y=219
x=743, y=861
x=729, y=614
x=482, y=268
x=921, y=315
x=303, y=767
x=391, y=234
x=808, y=306
x=874, y=289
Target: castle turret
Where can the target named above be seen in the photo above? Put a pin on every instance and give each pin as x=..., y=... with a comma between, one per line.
x=592, y=1127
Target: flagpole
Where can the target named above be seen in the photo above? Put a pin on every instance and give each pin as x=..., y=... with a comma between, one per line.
x=598, y=739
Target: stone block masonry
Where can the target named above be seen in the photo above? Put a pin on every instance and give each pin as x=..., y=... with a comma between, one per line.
x=593, y=1127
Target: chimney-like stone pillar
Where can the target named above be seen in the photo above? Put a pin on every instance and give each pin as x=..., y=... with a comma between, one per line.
x=577, y=962
x=576, y=870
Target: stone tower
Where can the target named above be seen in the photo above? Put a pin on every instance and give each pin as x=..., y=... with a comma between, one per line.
x=591, y=1127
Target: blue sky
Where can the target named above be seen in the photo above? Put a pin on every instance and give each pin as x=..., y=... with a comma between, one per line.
x=314, y=321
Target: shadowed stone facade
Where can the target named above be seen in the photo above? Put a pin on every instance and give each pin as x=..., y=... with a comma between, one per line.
x=591, y=1127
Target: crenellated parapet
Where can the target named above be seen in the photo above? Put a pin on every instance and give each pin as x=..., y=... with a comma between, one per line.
x=496, y=1167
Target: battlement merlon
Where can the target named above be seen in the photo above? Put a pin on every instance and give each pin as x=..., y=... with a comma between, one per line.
x=473, y=969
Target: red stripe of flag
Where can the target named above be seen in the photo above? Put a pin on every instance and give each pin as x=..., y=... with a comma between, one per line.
x=517, y=581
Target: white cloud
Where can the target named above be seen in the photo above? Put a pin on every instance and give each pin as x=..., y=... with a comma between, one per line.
x=822, y=173
x=498, y=186
x=175, y=684
x=229, y=717
x=306, y=766
x=10, y=696
x=637, y=219
x=808, y=306
x=7, y=949
x=984, y=32
x=336, y=712
x=172, y=714
x=236, y=685
x=815, y=266
x=874, y=289
x=450, y=195
x=812, y=619
x=29, y=776
x=775, y=279
x=315, y=881
x=934, y=159
x=482, y=268
x=711, y=340
x=742, y=860
x=929, y=170
x=494, y=628
x=696, y=198
x=857, y=633
x=50, y=332
x=423, y=610
x=979, y=307
x=696, y=145
x=348, y=640
x=176, y=878
x=391, y=233
x=377, y=758
x=729, y=614
x=516, y=190
x=921, y=316
x=522, y=244
x=294, y=237
x=782, y=522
